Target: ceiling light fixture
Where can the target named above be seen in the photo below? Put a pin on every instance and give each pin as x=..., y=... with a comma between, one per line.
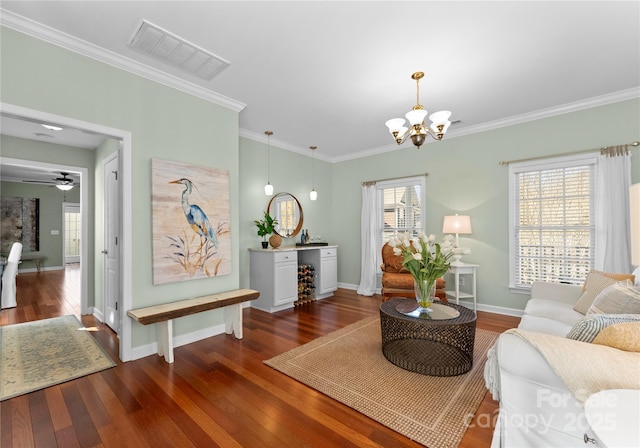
x=418, y=130
x=268, y=189
x=51, y=128
x=313, y=194
x=64, y=187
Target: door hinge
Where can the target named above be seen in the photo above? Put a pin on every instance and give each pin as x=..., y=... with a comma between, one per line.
x=116, y=306
x=116, y=240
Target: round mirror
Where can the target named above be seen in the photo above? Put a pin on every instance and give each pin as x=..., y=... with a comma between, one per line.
x=286, y=209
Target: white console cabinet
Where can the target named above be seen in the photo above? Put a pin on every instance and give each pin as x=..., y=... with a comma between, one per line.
x=274, y=272
x=325, y=260
x=275, y=275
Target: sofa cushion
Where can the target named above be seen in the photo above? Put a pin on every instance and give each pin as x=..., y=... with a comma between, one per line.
x=619, y=298
x=595, y=283
x=551, y=309
x=612, y=275
x=624, y=336
x=589, y=326
x=543, y=325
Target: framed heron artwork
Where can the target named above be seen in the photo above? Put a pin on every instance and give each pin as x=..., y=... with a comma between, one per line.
x=191, y=227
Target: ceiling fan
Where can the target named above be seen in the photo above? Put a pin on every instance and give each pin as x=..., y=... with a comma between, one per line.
x=62, y=183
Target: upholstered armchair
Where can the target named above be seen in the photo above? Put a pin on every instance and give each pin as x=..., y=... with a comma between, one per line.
x=397, y=281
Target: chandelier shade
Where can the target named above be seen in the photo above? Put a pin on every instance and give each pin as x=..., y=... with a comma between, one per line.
x=313, y=194
x=268, y=189
x=417, y=129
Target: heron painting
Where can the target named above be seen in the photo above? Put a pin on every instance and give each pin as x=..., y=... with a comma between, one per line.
x=191, y=234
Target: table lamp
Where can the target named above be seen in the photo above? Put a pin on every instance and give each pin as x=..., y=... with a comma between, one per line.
x=457, y=224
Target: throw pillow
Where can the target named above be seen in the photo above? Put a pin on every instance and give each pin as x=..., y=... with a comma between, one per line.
x=625, y=336
x=595, y=283
x=588, y=327
x=613, y=275
x=619, y=298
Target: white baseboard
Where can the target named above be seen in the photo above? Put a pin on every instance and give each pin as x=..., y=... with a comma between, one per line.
x=481, y=307
x=178, y=341
x=44, y=268
x=97, y=314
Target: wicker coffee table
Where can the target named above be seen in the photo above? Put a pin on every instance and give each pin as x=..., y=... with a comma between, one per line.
x=437, y=347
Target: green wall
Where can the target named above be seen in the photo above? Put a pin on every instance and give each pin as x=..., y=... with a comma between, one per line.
x=164, y=123
x=465, y=177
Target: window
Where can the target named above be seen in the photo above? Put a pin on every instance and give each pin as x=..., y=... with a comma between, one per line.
x=551, y=220
x=399, y=206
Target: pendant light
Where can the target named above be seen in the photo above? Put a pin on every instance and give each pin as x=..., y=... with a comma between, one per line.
x=313, y=194
x=268, y=189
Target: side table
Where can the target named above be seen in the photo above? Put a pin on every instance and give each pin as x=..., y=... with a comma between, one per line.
x=457, y=271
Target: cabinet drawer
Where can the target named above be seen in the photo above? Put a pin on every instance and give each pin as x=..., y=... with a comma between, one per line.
x=280, y=257
x=329, y=252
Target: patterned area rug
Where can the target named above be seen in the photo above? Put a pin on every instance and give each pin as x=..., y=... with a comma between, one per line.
x=348, y=365
x=39, y=354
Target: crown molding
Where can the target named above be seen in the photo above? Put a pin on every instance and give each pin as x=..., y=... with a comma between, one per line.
x=50, y=35
x=602, y=100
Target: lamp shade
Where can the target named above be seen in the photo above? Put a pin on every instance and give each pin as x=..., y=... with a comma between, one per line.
x=457, y=224
x=634, y=211
x=64, y=187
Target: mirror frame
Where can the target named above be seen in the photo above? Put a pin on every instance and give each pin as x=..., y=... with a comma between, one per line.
x=300, y=220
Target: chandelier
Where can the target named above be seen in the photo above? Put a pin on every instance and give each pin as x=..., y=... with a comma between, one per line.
x=418, y=130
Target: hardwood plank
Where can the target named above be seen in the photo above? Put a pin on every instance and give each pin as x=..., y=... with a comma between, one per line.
x=43, y=433
x=219, y=392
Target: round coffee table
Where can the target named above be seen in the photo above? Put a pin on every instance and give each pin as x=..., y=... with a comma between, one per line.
x=437, y=346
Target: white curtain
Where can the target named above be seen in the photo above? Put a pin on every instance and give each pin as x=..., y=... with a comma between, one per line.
x=613, y=240
x=368, y=262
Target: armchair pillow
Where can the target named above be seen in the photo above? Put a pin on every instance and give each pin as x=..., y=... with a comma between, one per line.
x=612, y=275
x=619, y=298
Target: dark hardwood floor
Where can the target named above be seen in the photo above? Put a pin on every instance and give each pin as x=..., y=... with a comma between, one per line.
x=217, y=393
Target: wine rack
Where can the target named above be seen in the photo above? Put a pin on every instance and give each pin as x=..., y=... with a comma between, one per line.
x=306, y=284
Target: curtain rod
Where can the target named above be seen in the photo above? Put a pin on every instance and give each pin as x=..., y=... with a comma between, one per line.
x=373, y=182
x=507, y=162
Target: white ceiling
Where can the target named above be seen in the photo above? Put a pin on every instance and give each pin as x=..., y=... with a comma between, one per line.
x=330, y=73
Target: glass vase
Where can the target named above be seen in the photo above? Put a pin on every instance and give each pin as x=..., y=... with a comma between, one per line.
x=425, y=290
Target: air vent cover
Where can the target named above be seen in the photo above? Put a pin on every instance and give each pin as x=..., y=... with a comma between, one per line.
x=164, y=46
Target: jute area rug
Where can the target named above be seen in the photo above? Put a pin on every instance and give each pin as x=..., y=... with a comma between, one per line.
x=348, y=366
x=39, y=354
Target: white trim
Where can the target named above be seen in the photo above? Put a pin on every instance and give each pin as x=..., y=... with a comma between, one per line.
x=142, y=351
x=50, y=35
x=126, y=254
x=97, y=314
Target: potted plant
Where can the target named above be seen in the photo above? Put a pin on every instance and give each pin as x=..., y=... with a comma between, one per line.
x=265, y=227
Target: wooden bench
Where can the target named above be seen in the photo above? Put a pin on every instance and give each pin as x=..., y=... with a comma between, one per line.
x=163, y=315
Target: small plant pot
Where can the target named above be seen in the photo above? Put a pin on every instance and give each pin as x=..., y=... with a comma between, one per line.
x=265, y=244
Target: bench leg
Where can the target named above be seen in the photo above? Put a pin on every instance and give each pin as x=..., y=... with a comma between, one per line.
x=233, y=319
x=164, y=335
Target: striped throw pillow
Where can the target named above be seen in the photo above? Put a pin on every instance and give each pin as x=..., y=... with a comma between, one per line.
x=588, y=327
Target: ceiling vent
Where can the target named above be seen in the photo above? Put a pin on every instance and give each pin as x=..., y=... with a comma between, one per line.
x=164, y=46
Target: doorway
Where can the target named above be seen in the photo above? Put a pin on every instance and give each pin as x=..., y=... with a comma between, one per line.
x=125, y=204
x=72, y=231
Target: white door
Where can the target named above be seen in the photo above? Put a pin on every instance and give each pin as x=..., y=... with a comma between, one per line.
x=111, y=277
x=72, y=229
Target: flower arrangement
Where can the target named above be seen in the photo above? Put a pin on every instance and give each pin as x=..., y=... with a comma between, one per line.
x=426, y=260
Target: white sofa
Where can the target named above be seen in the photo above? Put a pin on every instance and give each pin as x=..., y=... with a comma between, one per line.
x=536, y=408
